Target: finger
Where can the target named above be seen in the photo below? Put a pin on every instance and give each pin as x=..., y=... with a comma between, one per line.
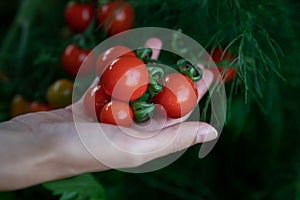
x=155, y=44
x=116, y=148
x=181, y=136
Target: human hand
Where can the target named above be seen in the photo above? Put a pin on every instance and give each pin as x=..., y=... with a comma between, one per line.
x=159, y=137
x=57, y=147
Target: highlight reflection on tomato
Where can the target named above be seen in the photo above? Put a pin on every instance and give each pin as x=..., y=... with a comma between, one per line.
x=117, y=113
x=78, y=16
x=72, y=60
x=115, y=17
x=179, y=95
x=126, y=78
x=108, y=56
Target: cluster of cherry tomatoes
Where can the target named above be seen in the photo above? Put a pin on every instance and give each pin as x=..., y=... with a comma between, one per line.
x=130, y=85
x=128, y=89
x=112, y=17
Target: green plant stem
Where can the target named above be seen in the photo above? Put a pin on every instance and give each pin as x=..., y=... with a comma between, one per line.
x=23, y=19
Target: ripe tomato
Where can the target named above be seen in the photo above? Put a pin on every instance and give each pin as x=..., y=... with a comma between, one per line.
x=19, y=105
x=179, y=95
x=110, y=55
x=59, y=94
x=94, y=101
x=73, y=58
x=117, y=113
x=37, y=107
x=227, y=73
x=115, y=17
x=78, y=16
x=126, y=78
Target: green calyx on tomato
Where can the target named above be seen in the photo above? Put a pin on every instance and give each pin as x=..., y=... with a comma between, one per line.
x=145, y=55
x=156, y=75
x=142, y=110
x=186, y=68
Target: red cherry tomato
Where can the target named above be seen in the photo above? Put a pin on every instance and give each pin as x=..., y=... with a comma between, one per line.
x=115, y=17
x=126, y=78
x=110, y=55
x=78, y=16
x=227, y=73
x=117, y=113
x=73, y=58
x=37, y=107
x=179, y=95
x=94, y=101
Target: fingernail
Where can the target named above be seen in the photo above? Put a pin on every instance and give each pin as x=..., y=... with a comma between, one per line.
x=155, y=44
x=206, y=134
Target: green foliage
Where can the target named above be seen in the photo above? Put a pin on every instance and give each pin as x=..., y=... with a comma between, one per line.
x=82, y=187
x=257, y=155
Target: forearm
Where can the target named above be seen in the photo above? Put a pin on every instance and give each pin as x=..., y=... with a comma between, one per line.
x=32, y=155
x=21, y=153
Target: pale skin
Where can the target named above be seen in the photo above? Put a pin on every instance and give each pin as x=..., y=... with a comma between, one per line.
x=44, y=146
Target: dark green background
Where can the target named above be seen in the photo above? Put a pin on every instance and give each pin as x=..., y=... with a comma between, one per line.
x=258, y=153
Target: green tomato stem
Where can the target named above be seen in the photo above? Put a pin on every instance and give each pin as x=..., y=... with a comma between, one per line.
x=144, y=53
x=156, y=75
x=186, y=68
x=142, y=110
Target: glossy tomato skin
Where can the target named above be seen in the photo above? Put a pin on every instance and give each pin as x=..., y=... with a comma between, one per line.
x=115, y=17
x=179, y=95
x=72, y=60
x=94, y=100
x=227, y=73
x=117, y=113
x=38, y=107
x=78, y=16
x=126, y=78
x=59, y=94
x=108, y=56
